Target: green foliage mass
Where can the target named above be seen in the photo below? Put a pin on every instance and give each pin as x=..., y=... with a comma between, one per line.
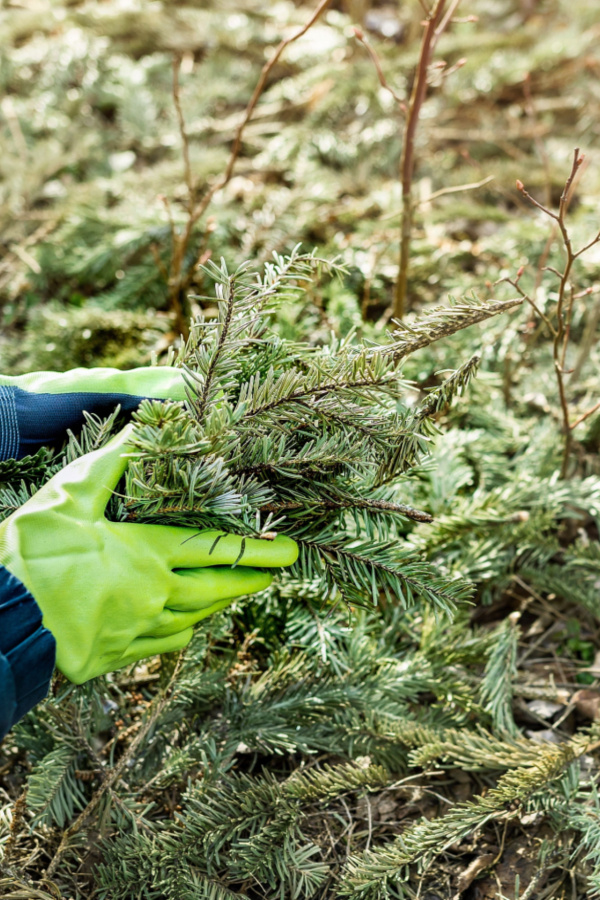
x=278, y=435
x=313, y=743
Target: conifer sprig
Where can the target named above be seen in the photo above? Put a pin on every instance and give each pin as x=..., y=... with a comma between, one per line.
x=368, y=877
x=282, y=436
x=442, y=321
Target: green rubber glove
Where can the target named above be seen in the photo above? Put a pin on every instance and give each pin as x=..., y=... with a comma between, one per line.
x=159, y=382
x=113, y=593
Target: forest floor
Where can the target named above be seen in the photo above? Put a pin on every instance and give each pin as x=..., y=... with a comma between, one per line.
x=91, y=148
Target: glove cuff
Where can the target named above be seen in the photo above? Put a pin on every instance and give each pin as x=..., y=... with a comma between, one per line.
x=27, y=652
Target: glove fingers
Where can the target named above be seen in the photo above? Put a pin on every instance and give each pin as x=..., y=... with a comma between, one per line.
x=143, y=647
x=197, y=590
x=189, y=548
x=174, y=622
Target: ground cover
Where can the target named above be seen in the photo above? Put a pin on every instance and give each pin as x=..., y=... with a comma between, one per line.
x=299, y=750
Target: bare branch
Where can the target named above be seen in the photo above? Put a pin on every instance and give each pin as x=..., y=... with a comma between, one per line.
x=585, y=415
x=431, y=35
x=260, y=86
x=179, y=280
x=456, y=189
x=185, y=143
x=377, y=63
x=515, y=283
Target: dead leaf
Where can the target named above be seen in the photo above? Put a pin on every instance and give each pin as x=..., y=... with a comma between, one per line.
x=587, y=703
x=386, y=809
x=544, y=708
x=472, y=871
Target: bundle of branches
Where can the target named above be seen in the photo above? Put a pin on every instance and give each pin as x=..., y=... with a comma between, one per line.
x=312, y=442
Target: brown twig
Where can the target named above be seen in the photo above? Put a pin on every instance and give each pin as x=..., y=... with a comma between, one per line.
x=180, y=279
x=16, y=825
x=358, y=34
x=514, y=282
x=417, y=515
x=185, y=141
x=540, y=146
x=585, y=416
x=587, y=341
x=436, y=22
x=454, y=189
x=431, y=35
x=560, y=328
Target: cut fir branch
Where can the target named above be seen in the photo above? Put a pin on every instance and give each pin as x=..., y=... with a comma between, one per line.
x=442, y=321
x=360, y=571
x=406, y=449
x=500, y=672
x=417, y=515
x=281, y=436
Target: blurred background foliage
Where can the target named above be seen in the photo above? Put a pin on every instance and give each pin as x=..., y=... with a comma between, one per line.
x=90, y=145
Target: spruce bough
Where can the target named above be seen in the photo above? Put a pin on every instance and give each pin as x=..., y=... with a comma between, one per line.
x=310, y=441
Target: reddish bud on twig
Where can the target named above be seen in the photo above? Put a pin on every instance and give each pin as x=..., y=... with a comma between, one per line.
x=358, y=33
x=520, y=185
x=520, y=272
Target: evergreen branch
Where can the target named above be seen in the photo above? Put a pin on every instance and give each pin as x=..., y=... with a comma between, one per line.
x=28, y=468
x=442, y=322
x=500, y=671
x=351, y=503
x=54, y=792
x=476, y=751
x=364, y=875
x=215, y=356
x=112, y=776
x=314, y=393
x=455, y=385
x=359, y=569
x=399, y=455
x=584, y=817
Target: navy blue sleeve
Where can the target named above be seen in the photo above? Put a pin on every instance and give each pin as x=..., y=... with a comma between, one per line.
x=27, y=652
x=30, y=421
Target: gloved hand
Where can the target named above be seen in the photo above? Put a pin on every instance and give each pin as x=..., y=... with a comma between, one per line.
x=37, y=409
x=113, y=593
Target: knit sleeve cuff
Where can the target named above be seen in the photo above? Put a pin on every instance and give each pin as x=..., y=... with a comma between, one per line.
x=9, y=427
x=29, y=421
x=27, y=652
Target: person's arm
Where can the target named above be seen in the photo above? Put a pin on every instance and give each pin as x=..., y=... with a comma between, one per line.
x=27, y=652
x=37, y=409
